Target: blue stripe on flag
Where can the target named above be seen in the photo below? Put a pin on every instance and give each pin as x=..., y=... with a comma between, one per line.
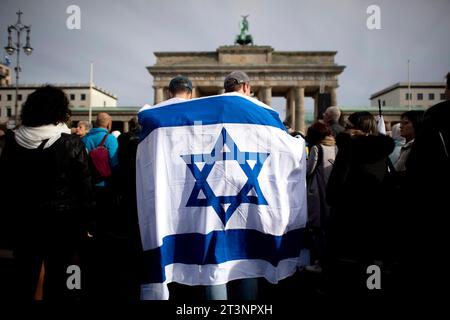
x=211, y=110
x=218, y=247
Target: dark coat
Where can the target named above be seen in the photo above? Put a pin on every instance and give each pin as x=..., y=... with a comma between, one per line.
x=428, y=173
x=355, y=192
x=46, y=192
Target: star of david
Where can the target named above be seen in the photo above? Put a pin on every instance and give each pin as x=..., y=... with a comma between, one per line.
x=201, y=166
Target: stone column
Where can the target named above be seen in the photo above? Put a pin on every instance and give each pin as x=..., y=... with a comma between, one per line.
x=260, y=95
x=267, y=95
x=159, y=94
x=333, y=96
x=291, y=107
x=126, y=126
x=316, y=107
x=194, y=92
x=299, y=94
x=287, y=108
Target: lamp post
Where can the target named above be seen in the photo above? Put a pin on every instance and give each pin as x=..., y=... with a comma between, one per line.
x=10, y=49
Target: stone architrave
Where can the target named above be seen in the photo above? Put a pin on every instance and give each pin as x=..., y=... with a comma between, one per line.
x=272, y=73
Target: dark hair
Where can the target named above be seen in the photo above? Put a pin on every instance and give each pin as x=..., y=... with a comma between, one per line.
x=317, y=132
x=232, y=85
x=448, y=80
x=46, y=105
x=180, y=84
x=364, y=121
x=179, y=90
x=416, y=118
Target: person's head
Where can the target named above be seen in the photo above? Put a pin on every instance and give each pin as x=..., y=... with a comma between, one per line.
x=133, y=124
x=82, y=128
x=447, y=87
x=332, y=115
x=410, y=124
x=103, y=120
x=180, y=87
x=237, y=81
x=362, y=121
x=47, y=105
x=317, y=132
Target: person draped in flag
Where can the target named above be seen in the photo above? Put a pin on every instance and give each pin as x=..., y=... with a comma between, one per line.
x=221, y=192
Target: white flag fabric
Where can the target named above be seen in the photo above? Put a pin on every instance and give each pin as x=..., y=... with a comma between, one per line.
x=221, y=193
x=380, y=125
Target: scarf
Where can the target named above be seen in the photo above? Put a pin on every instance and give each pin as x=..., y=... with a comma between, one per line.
x=32, y=137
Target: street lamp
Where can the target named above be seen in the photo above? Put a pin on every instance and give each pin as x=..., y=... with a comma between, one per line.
x=10, y=49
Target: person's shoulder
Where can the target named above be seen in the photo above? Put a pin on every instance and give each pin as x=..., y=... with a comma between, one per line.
x=71, y=141
x=438, y=110
x=343, y=139
x=337, y=127
x=111, y=139
x=91, y=133
x=71, y=138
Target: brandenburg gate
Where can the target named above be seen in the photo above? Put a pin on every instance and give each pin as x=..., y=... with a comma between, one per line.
x=290, y=74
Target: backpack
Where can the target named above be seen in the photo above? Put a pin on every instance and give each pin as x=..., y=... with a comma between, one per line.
x=100, y=160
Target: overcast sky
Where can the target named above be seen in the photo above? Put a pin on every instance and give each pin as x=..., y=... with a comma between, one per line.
x=121, y=36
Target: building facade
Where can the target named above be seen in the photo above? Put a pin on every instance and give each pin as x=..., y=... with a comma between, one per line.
x=79, y=95
x=422, y=94
x=290, y=74
x=120, y=115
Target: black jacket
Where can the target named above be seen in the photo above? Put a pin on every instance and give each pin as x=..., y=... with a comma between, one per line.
x=356, y=195
x=428, y=173
x=359, y=169
x=45, y=189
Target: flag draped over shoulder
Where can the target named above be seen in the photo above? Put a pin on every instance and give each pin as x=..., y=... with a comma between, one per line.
x=221, y=193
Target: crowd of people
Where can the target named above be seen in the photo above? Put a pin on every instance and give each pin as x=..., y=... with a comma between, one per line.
x=372, y=200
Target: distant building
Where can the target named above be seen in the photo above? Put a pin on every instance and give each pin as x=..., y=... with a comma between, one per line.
x=120, y=115
x=423, y=94
x=5, y=75
x=79, y=95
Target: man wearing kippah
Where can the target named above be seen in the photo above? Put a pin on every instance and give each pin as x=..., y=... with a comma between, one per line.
x=180, y=89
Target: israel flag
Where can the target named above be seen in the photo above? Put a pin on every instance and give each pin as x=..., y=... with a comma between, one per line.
x=221, y=193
